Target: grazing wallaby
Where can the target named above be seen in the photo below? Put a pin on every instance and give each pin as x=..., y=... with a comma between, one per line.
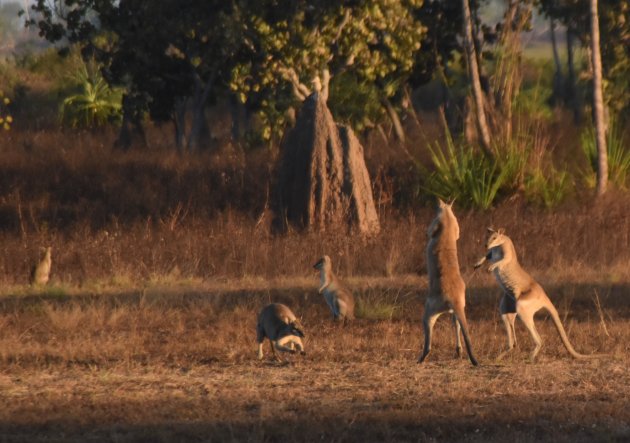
x=281, y=327
x=522, y=295
x=40, y=273
x=338, y=298
x=447, y=290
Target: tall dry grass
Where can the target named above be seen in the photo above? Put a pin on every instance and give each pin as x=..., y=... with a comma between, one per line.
x=160, y=264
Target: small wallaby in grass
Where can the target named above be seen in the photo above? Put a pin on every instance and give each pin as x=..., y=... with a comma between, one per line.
x=284, y=331
x=40, y=273
x=338, y=298
x=522, y=295
x=447, y=290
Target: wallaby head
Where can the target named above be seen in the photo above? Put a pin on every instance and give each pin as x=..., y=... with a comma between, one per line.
x=495, y=238
x=324, y=264
x=445, y=219
x=295, y=328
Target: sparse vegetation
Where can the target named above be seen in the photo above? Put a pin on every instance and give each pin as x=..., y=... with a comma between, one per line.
x=618, y=155
x=161, y=221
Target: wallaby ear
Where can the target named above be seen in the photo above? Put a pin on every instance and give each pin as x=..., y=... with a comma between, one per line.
x=490, y=230
x=441, y=203
x=501, y=231
x=450, y=204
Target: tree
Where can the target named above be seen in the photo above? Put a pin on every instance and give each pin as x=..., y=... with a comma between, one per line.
x=168, y=67
x=300, y=47
x=598, y=104
x=614, y=29
x=473, y=71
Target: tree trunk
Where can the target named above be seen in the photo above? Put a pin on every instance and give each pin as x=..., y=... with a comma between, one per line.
x=598, y=104
x=393, y=116
x=179, y=121
x=131, y=128
x=558, y=80
x=199, y=106
x=473, y=69
x=571, y=94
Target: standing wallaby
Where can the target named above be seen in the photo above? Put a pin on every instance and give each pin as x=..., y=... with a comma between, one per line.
x=281, y=327
x=338, y=298
x=522, y=295
x=40, y=273
x=447, y=290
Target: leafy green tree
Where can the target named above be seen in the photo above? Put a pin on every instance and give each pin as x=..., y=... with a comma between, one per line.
x=270, y=54
x=614, y=24
x=300, y=47
x=168, y=66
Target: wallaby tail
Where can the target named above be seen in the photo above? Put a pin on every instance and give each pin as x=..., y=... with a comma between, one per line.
x=563, y=335
x=461, y=318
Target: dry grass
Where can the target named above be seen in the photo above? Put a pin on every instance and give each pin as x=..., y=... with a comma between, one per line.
x=160, y=264
x=179, y=364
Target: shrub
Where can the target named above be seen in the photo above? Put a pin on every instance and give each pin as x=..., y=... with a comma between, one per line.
x=95, y=105
x=373, y=308
x=546, y=187
x=465, y=174
x=618, y=155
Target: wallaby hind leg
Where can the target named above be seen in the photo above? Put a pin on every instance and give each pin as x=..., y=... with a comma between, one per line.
x=428, y=321
x=273, y=351
x=507, y=308
x=461, y=318
x=458, y=337
x=508, y=322
x=526, y=314
x=260, y=338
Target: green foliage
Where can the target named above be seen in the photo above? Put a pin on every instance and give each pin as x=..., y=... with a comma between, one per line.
x=532, y=98
x=465, y=174
x=548, y=187
x=353, y=102
x=618, y=155
x=373, y=308
x=95, y=105
x=613, y=27
x=5, y=117
x=370, y=44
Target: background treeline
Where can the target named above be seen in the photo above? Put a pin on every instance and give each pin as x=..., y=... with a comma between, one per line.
x=228, y=77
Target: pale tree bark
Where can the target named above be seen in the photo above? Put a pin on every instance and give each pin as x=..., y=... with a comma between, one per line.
x=473, y=69
x=598, y=104
x=395, y=119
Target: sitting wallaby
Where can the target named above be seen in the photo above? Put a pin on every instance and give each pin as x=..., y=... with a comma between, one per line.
x=40, y=272
x=338, y=298
x=281, y=327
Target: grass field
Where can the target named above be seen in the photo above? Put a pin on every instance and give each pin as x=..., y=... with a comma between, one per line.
x=178, y=363
x=161, y=262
